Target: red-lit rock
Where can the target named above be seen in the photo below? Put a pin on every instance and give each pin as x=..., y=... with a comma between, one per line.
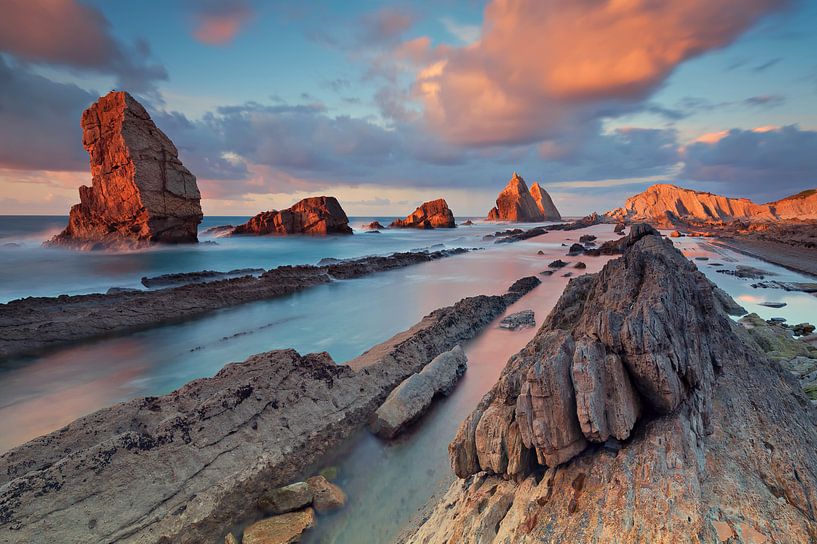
x=318, y=215
x=430, y=215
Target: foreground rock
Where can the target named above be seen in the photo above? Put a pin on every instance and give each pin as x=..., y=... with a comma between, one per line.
x=515, y=203
x=525, y=318
x=429, y=215
x=414, y=396
x=140, y=191
x=639, y=413
x=32, y=324
x=317, y=215
x=286, y=499
x=327, y=497
x=283, y=529
x=183, y=467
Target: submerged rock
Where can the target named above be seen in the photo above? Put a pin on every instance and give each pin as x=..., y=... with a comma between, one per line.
x=140, y=193
x=286, y=499
x=429, y=215
x=282, y=529
x=413, y=397
x=317, y=215
x=525, y=318
x=515, y=203
x=327, y=496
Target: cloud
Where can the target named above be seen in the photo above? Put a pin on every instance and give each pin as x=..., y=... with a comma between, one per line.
x=217, y=23
x=71, y=34
x=465, y=33
x=543, y=64
x=385, y=25
x=753, y=160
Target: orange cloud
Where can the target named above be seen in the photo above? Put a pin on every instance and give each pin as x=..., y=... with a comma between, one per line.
x=545, y=63
x=220, y=27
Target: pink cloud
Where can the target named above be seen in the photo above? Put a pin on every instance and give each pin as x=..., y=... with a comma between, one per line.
x=544, y=64
x=221, y=24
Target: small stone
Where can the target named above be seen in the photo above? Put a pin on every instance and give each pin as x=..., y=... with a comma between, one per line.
x=546, y=273
x=567, y=274
x=328, y=496
x=576, y=249
x=580, y=265
x=525, y=318
x=701, y=258
x=283, y=529
x=587, y=238
x=675, y=234
x=772, y=304
x=558, y=263
x=230, y=539
x=540, y=252
x=286, y=499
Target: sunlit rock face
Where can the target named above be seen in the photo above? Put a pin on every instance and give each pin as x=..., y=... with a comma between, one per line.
x=140, y=193
x=667, y=205
x=430, y=215
x=317, y=215
x=544, y=203
x=515, y=203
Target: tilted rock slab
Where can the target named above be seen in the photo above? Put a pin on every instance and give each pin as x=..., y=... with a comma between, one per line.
x=414, y=396
x=185, y=467
x=645, y=416
x=429, y=215
x=317, y=215
x=515, y=203
x=141, y=193
x=544, y=203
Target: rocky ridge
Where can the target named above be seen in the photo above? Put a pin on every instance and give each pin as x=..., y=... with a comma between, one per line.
x=185, y=467
x=639, y=413
x=140, y=193
x=429, y=215
x=317, y=215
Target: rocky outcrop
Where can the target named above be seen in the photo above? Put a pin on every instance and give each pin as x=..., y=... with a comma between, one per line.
x=525, y=318
x=429, y=215
x=639, y=413
x=515, y=203
x=544, y=203
x=184, y=467
x=140, y=191
x=666, y=205
x=414, y=396
x=374, y=225
x=317, y=215
x=33, y=324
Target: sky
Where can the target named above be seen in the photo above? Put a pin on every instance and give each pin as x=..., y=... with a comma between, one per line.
x=388, y=104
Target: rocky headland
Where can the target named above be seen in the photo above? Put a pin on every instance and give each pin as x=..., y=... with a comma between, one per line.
x=140, y=193
x=429, y=215
x=640, y=412
x=186, y=467
x=317, y=215
x=516, y=204
x=38, y=323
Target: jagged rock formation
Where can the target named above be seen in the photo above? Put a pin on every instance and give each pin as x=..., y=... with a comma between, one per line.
x=668, y=205
x=430, y=215
x=544, y=203
x=140, y=193
x=317, y=215
x=640, y=413
x=515, y=203
x=186, y=466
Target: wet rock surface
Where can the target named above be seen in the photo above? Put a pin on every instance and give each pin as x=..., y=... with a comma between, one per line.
x=185, y=466
x=525, y=318
x=140, y=193
x=32, y=324
x=430, y=215
x=182, y=278
x=639, y=413
x=317, y=215
x=282, y=529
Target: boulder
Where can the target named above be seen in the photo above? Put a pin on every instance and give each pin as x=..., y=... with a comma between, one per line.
x=286, y=499
x=327, y=496
x=580, y=265
x=140, y=191
x=675, y=234
x=558, y=263
x=525, y=318
x=586, y=238
x=515, y=203
x=468, y=223
x=413, y=397
x=576, y=249
x=282, y=529
x=374, y=225
x=317, y=215
x=544, y=203
x=429, y=215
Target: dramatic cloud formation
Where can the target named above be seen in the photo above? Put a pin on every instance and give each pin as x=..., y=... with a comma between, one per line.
x=752, y=160
x=70, y=34
x=543, y=64
x=218, y=22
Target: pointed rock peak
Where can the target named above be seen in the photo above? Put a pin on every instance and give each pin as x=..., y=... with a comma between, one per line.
x=544, y=203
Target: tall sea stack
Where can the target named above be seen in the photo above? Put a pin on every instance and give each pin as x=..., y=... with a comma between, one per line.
x=515, y=203
x=141, y=193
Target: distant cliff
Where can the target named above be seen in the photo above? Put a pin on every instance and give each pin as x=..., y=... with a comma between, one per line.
x=667, y=205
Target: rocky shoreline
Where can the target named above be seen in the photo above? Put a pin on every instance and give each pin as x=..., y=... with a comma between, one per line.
x=641, y=413
x=186, y=466
x=34, y=324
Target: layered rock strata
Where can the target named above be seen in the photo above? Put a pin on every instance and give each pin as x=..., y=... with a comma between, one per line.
x=140, y=193
x=32, y=324
x=317, y=215
x=184, y=467
x=429, y=215
x=515, y=203
x=639, y=413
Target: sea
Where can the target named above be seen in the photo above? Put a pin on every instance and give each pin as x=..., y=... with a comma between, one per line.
x=387, y=482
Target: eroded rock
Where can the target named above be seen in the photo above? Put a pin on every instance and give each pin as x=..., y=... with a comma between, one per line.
x=515, y=203
x=327, y=496
x=283, y=529
x=317, y=215
x=429, y=215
